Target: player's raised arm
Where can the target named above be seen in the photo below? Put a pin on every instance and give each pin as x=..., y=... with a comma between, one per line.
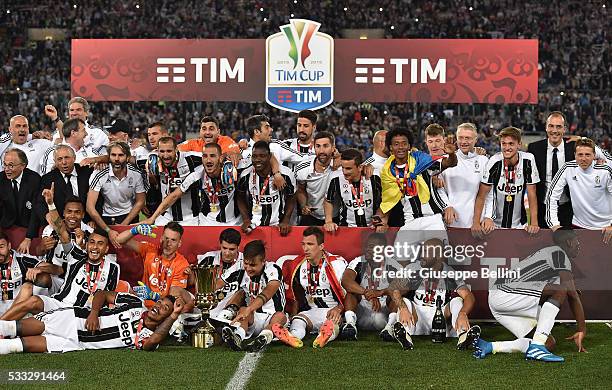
x=161, y=331
x=125, y=237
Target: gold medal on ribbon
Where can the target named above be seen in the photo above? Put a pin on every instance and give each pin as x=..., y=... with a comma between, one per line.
x=508, y=198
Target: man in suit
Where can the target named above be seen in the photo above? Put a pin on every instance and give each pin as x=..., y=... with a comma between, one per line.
x=18, y=192
x=70, y=180
x=550, y=154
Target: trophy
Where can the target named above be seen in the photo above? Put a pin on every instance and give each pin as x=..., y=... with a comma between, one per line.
x=204, y=334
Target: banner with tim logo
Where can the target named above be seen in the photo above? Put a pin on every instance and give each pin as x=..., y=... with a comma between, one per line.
x=301, y=67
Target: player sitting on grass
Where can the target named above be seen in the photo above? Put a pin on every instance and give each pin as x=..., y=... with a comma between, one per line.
x=415, y=316
x=535, y=297
x=260, y=286
x=316, y=293
x=126, y=324
x=366, y=293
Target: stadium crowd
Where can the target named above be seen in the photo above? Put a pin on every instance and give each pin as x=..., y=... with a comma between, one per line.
x=574, y=60
x=69, y=182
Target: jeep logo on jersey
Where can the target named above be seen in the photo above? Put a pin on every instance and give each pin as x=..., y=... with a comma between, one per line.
x=299, y=67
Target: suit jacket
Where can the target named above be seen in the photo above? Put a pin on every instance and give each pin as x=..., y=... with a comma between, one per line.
x=539, y=150
x=59, y=199
x=23, y=213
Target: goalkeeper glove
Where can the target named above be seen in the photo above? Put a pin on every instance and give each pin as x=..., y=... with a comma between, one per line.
x=144, y=229
x=145, y=293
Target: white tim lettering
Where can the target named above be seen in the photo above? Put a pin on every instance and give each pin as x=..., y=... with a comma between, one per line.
x=438, y=72
x=227, y=71
x=213, y=70
x=399, y=64
x=199, y=62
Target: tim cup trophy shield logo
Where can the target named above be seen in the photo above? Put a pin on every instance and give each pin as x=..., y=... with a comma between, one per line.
x=299, y=67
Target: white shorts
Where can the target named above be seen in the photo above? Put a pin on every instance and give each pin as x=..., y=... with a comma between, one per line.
x=52, y=303
x=260, y=321
x=5, y=305
x=205, y=220
x=60, y=330
x=317, y=317
x=368, y=319
x=163, y=220
x=517, y=308
x=429, y=222
x=425, y=317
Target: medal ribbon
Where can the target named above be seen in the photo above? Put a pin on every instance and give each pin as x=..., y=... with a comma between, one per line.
x=98, y=276
x=139, y=330
x=263, y=188
x=508, y=175
x=313, y=274
x=360, y=201
x=161, y=270
x=212, y=191
x=6, y=276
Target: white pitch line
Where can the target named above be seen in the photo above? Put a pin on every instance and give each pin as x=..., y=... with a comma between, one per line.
x=244, y=371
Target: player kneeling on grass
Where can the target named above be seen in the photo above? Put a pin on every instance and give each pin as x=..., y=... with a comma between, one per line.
x=314, y=284
x=260, y=286
x=367, y=293
x=535, y=298
x=415, y=316
x=126, y=324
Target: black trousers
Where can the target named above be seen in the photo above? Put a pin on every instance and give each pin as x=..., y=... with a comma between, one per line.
x=115, y=220
x=565, y=214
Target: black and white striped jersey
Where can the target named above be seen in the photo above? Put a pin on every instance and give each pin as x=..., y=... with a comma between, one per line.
x=317, y=185
x=214, y=258
x=591, y=193
x=357, y=201
x=366, y=275
x=118, y=325
x=13, y=273
x=253, y=286
x=83, y=279
x=218, y=202
x=509, y=186
x=266, y=204
x=58, y=256
x=539, y=268
x=283, y=153
x=313, y=283
x=188, y=206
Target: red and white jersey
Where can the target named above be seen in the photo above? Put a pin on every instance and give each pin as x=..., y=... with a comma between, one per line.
x=315, y=283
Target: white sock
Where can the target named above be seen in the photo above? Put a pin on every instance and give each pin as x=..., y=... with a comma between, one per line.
x=298, y=328
x=8, y=328
x=10, y=346
x=268, y=335
x=392, y=319
x=546, y=321
x=518, y=345
x=350, y=317
x=241, y=332
x=455, y=306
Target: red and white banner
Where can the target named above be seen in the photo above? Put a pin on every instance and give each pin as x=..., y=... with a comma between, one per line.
x=377, y=70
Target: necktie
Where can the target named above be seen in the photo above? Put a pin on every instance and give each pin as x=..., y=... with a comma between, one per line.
x=69, y=190
x=555, y=163
x=15, y=192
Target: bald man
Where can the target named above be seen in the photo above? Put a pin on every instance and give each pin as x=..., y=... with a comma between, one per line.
x=380, y=153
x=17, y=137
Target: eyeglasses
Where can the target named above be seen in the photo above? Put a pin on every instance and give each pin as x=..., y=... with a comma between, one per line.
x=12, y=166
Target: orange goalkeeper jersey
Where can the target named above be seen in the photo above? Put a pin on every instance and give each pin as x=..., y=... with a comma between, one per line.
x=228, y=145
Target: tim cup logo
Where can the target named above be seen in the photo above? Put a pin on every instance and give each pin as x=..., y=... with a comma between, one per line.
x=299, y=67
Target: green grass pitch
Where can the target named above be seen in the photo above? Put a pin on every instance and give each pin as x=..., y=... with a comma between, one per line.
x=366, y=364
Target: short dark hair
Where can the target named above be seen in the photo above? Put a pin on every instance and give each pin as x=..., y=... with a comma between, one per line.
x=434, y=130
x=71, y=125
x=377, y=237
x=315, y=231
x=4, y=236
x=253, y=249
x=74, y=199
x=125, y=148
x=325, y=134
x=262, y=145
x=167, y=139
x=209, y=118
x=563, y=235
x=254, y=123
x=175, y=227
x=101, y=232
x=310, y=115
x=159, y=124
x=171, y=298
x=20, y=155
x=352, y=154
x=214, y=146
x=398, y=131
x=231, y=236
x=557, y=114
